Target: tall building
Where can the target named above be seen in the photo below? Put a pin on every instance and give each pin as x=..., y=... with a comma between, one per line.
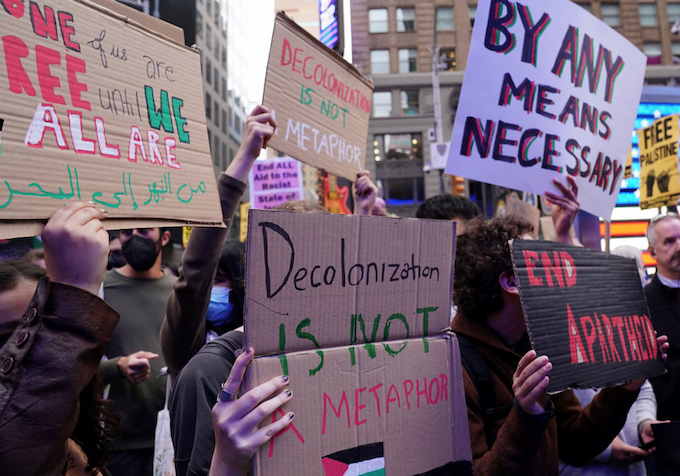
x=392, y=43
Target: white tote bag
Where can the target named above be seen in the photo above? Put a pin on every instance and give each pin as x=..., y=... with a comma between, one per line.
x=164, y=452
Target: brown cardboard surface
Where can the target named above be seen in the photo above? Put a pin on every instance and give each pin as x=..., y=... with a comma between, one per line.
x=322, y=103
x=410, y=399
x=34, y=228
x=530, y=213
x=344, y=279
x=587, y=312
x=86, y=81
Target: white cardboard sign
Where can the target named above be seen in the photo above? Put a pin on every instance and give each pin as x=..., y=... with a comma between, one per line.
x=549, y=90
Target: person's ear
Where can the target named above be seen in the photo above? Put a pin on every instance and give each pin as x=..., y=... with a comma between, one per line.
x=651, y=250
x=165, y=238
x=508, y=283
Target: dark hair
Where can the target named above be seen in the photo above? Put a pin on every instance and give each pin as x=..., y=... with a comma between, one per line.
x=12, y=271
x=448, y=207
x=482, y=255
x=308, y=206
x=97, y=425
x=232, y=266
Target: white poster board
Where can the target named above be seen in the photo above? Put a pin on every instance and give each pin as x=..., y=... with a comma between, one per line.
x=549, y=90
x=275, y=181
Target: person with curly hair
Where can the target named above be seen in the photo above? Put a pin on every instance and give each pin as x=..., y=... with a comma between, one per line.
x=528, y=428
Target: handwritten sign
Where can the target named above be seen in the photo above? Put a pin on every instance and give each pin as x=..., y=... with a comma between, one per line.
x=322, y=103
x=659, y=176
x=320, y=280
x=560, y=94
x=358, y=413
x=587, y=312
x=275, y=181
x=98, y=107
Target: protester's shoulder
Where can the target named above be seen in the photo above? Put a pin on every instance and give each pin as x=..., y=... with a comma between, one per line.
x=225, y=345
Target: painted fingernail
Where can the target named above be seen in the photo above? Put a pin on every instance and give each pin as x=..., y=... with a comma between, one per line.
x=90, y=202
x=104, y=211
x=249, y=350
x=285, y=378
x=289, y=393
x=291, y=415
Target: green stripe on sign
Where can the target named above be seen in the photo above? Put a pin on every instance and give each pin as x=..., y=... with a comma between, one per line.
x=377, y=472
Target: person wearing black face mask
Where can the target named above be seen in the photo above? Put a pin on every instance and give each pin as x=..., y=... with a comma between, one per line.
x=138, y=291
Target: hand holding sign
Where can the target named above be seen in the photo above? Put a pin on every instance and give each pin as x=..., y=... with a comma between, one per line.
x=565, y=211
x=530, y=381
x=237, y=436
x=259, y=128
x=365, y=194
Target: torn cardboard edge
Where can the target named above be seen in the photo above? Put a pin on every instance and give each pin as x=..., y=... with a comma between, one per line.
x=145, y=22
x=21, y=229
x=335, y=56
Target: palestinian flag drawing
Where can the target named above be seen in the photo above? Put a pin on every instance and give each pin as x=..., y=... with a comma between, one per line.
x=365, y=460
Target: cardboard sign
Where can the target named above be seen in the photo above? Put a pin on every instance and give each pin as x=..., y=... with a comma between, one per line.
x=587, y=312
x=530, y=213
x=659, y=176
x=317, y=280
x=275, y=181
x=358, y=412
x=97, y=107
x=322, y=103
x=559, y=96
x=628, y=171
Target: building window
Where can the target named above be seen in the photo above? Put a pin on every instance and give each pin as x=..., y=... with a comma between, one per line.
x=648, y=14
x=208, y=104
x=652, y=48
x=216, y=150
x=397, y=147
x=610, y=14
x=216, y=84
x=585, y=6
x=673, y=10
x=199, y=25
x=224, y=120
x=380, y=61
x=444, y=19
x=217, y=15
x=210, y=140
x=224, y=155
x=409, y=103
x=675, y=51
x=406, y=19
x=208, y=36
x=407, y=60
x=224, y=58
x=382, y=104
x=217, y=114
x=404, y=191
x=224, y=89
x=472, y=11
x=208, y=71
x=208, y=8
x=377, y=20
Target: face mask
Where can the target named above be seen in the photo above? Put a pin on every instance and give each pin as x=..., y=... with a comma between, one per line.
x=140, y=253
x=220, y=310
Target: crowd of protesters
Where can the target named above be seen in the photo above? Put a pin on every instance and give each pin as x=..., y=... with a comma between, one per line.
x=87, y=354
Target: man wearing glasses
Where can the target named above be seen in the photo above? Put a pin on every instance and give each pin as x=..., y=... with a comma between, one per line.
x=663, y=294
x=138, y=291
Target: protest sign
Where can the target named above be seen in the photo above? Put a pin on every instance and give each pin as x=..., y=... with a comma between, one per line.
x=275, y=181
x=549, y=90
x=587, y=312
x=322, y=103
x=361, y=413
x=98, y=107
x=318, y=280
x=659, y=176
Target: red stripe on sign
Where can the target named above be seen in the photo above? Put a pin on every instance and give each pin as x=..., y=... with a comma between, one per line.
x=334, y=468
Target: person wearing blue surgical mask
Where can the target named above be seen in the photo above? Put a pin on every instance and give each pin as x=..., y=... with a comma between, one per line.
x=225, y=310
